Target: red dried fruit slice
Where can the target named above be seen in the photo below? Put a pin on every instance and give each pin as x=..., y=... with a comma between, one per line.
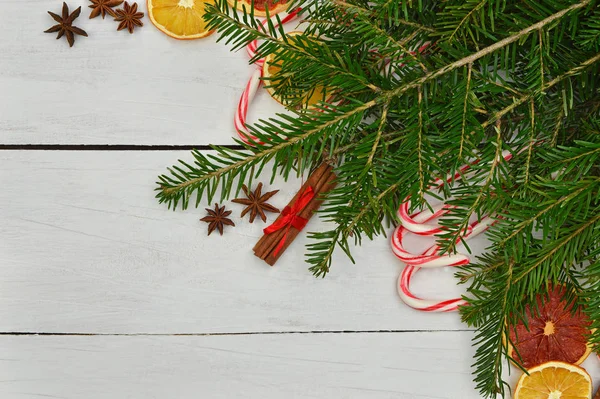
x=260, y=6
x=557, y=333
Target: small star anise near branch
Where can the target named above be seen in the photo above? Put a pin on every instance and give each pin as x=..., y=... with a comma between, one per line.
x=129, y=17
x=256, y=203
x=103, y=7
x=65, y=25
x=217, y=218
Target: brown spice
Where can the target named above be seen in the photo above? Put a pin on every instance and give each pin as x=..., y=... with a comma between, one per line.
x=256, y=203
x=65, y=25
x=322, y=180
x=129, y=17
x=217, y=218
x=268, y=242
x=103, y=7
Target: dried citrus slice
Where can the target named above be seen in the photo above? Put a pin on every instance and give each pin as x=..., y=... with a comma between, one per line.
x=180, y=19
x=260, y=6
x=272, y=72
x=554, y=380
x=558, y=331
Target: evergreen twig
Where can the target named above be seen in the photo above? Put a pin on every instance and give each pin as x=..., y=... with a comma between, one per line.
x=497, y=75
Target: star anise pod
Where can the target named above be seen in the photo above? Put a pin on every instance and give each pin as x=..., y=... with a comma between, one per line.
x=256, y=203
x=103, y=7
x=65, y=25
x=129, y=17
x=217, y=218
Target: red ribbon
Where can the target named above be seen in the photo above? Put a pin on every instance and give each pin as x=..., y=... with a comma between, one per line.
x=290, y=217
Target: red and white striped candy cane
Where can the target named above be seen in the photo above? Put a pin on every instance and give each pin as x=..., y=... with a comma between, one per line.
x=425, y=305
x=239, y=120
x=241, y=113
x=431, y=257
x=253, y=45
x=428, y=229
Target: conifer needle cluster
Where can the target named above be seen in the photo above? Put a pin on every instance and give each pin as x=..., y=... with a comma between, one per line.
x=420, y=88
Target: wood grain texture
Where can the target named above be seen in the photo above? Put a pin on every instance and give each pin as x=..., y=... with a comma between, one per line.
x=378, y=366
x=86, y=248
x=421, y=365
x=113, y=87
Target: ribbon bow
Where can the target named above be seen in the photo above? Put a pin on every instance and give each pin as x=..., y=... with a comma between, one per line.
x=291, y=218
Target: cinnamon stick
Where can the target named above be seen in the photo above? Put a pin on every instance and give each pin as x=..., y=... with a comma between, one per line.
x=307, y=214
x=316, y=182
x=269, y=241
x=321, y=180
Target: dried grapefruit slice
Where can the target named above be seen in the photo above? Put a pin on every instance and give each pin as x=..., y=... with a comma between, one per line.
x=554, y=380
x=260, y=6
x=559, y=332
x=180, y=19
x=272, y=72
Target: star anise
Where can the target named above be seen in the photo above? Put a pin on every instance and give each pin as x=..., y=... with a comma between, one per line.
x=256, y=203
x=65, y=25
x=129, y=17
x=217, y=218
x=103, y=7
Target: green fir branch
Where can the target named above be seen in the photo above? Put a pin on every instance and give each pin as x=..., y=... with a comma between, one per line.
x=399, y=120
x=561, y=243
x=463, y=126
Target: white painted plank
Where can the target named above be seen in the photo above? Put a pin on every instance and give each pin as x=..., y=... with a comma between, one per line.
x=431, y=365
x=85, y=247
x=399, y=366
x=113, y=87
x=424, y=365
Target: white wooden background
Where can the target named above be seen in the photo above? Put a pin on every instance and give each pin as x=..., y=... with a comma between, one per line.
x=106, y=294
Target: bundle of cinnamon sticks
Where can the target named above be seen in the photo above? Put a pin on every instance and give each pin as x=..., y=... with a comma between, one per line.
x=270, y=246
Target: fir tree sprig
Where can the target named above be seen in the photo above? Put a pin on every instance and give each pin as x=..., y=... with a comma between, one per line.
x=419, y=89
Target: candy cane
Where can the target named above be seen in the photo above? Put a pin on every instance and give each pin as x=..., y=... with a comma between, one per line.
x=431, y=257
x=253, y=45
x=239, y=120
x=425, y=305
x=427, y=229
x=241, y=113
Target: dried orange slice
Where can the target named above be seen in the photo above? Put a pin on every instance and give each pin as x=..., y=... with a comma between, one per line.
x=558, y=331
x=272, y=73
x=554, y=380
x=180, y=19
x=260, y=6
